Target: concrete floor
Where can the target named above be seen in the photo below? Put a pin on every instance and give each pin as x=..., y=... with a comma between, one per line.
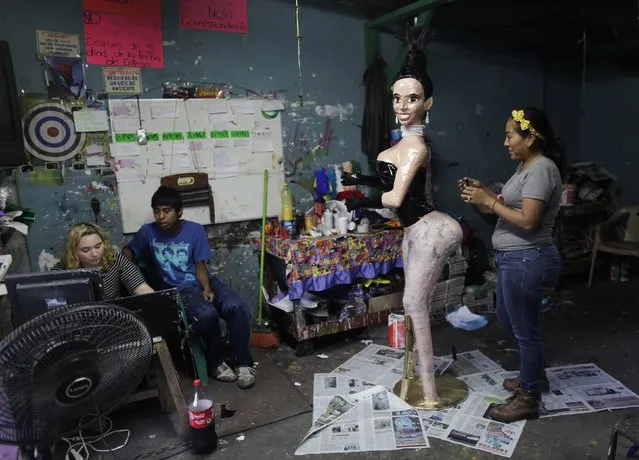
x=600, y=325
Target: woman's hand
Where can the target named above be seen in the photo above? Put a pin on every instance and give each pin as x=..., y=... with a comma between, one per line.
x=468, y=181
x=478, y=196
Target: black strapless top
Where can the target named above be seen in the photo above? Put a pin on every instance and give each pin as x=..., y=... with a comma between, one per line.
x=414, y=206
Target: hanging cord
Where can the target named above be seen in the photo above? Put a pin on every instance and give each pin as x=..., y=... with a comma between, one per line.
x=191, y=142
x=583, y=60
x=137, y=98
x=299, y=52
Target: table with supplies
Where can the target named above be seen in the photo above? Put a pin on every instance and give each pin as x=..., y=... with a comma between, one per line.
x=308, y=264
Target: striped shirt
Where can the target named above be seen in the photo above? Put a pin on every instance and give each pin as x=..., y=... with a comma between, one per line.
x=121, y=272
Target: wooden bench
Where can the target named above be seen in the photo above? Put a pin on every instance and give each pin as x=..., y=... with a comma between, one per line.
x=167, y=388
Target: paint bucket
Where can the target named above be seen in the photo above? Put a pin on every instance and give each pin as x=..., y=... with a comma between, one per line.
x=568, y=195
x=397, y=330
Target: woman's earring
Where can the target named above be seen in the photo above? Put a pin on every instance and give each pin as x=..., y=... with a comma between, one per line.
x=427, y=118
x=396, y=120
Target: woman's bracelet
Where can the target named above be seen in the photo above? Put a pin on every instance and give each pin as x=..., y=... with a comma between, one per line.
x=494, y=203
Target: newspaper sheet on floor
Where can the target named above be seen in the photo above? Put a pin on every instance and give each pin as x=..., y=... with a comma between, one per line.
x=353, y=416
x=382, y=365
x=574, y=389
x=584, y=388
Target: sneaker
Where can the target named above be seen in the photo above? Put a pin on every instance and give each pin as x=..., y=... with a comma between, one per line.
x=224, y=373
x=245, y=377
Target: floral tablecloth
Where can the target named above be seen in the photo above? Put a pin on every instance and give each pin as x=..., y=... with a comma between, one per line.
x=316, y=264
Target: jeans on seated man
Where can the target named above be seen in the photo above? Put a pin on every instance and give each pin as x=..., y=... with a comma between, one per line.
x=179, y=249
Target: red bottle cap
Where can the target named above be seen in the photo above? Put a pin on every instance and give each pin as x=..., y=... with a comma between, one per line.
x=197, y=382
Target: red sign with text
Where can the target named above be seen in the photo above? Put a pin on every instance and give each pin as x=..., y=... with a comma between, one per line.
x=123, y=40
x=223, y=15
x=131, y=7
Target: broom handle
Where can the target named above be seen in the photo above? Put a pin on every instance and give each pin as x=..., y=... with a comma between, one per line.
x=262, y=249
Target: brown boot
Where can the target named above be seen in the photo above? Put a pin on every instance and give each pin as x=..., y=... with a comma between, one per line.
x=521, y=406
x=515, y=382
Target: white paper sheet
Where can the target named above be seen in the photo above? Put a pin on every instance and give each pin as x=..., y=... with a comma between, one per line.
x=95, y=160
x=89, y=120
x=167, y=109
x=242, y=106
x=175, y=148
x=272, y=105
x=94, y=149
x=124, y=149
x=218, y=106
x=128, y=175
x=262, y=146
x=225, y=159
x=125, y=124
x=178, y=162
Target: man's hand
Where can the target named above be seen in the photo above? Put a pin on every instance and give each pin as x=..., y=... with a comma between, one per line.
x=208, y=295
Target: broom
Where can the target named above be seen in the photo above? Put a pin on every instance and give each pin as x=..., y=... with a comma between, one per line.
x=263, y=336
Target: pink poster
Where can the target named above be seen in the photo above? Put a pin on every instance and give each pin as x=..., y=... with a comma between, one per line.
x=222, y=15
x=123, y=40
x=130, y=7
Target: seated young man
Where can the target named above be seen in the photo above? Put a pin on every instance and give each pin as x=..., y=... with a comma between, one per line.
x=180, y=249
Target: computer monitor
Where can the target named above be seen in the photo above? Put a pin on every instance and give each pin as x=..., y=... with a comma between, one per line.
x=32, y=294
x=159, y=311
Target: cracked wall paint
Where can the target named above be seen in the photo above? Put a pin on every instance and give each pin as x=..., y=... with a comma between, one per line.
x=339, y=111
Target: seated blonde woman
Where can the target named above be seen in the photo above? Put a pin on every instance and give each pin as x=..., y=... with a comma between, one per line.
x=88, y=246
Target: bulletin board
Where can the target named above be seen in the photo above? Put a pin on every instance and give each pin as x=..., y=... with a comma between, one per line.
x=232, y=140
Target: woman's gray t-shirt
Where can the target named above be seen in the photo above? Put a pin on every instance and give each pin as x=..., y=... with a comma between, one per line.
x=541, y=181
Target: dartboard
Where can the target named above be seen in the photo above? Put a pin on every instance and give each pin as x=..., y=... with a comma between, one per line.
x=49, y=132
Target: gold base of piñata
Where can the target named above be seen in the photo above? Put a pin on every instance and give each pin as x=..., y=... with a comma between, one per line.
x=450, y=393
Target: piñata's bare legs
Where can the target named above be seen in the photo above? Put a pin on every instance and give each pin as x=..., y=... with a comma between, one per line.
x=425, y=248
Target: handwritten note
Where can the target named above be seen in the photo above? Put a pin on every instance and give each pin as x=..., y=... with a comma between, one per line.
x=124, y=150
x=225, y=159
x=88, y=120
x=223, y=15
x=126, y=41
x=57, y=44
x=95, y=160
x=165, y=110
x=131, y=7
x=177, y=162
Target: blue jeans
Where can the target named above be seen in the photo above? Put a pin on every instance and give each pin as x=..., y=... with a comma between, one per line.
x=523, y=277
x=204, y=320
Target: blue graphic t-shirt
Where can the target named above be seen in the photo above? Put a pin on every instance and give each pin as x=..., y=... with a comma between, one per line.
x=175, y=255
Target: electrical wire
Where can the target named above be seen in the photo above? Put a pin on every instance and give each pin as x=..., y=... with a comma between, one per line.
x=299, y=51
x=80, y=446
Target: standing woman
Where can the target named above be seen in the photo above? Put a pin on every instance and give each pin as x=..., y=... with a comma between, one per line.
x=88, y=246
x=528, y=262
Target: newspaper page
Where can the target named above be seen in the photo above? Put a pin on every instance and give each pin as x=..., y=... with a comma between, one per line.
x=378, y=421
x=469, y=425
x=383, y=365
x=584, y=388
x=473, y=362
x=489, y=383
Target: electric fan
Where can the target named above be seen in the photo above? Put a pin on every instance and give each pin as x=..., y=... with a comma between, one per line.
x=65, y=369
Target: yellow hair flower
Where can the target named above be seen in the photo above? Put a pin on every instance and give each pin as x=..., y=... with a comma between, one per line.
x=519, y=117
